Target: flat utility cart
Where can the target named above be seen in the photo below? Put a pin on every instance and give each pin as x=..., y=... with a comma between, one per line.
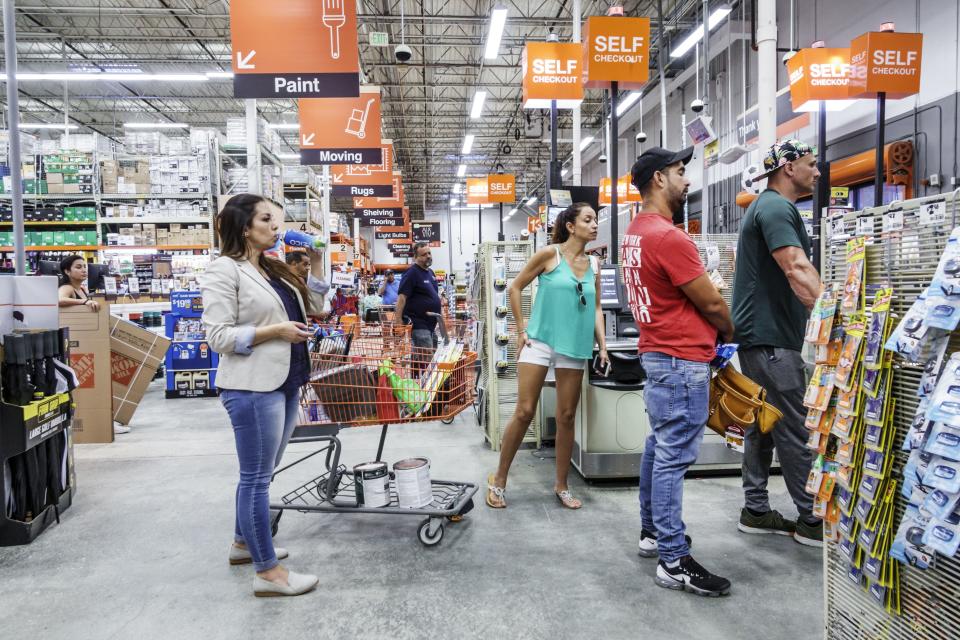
x=366, y=375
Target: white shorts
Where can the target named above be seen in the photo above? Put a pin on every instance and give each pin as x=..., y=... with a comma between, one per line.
x=542, y=354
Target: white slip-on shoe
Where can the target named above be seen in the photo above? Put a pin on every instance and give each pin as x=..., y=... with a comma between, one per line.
x=297, y=584
x=242, y=556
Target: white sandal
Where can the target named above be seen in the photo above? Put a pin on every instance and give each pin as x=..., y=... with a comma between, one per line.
x=497, y=492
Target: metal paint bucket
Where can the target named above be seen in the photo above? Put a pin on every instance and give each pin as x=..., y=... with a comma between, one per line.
x=372, y=480
x=412, y=477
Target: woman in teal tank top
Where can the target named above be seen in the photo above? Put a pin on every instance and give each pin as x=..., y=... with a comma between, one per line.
x=565, y=322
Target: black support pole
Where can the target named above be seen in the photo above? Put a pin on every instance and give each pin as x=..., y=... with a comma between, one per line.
x=500, y=236
x=479, y=224
x=881, y=123
x=821, y=194
x=614, y=176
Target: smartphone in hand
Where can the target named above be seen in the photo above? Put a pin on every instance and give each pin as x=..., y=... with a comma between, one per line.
x=602, y=369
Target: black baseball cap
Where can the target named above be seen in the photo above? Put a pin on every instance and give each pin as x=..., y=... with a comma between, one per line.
x=656, y=159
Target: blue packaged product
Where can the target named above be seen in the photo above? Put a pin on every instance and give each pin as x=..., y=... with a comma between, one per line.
x=943, y=474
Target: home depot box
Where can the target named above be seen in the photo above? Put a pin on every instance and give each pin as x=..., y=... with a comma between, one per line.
x=90, y=359
x=135, y=356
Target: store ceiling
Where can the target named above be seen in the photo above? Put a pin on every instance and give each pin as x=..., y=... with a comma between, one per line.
x=426, y=101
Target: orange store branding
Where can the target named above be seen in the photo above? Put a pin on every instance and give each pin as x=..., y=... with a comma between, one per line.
x=478, y=191
x=818, y=74
x=501, y=187
x=616, y=49
x=552, y=71
x=885, y=62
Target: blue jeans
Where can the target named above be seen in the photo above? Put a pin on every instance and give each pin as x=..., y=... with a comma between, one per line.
x=676, y=394
x=262, y=425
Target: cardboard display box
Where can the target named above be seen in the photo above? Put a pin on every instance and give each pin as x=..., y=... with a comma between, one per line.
x=136, y=354
x=90, y=358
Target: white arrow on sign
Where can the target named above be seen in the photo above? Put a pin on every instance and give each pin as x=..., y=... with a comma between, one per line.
x=244, y=62
x=307, y=140
x=337, y=177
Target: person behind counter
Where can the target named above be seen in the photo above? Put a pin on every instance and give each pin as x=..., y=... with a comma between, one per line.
x=73, y=291
x=254, y=312
x=565, y=322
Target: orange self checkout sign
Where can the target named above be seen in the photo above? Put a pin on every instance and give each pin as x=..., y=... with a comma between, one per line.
x=501, y=188
x=294, y=49
x=819, y=75
x=552, y=71
x=885, y=62
x=616, y=49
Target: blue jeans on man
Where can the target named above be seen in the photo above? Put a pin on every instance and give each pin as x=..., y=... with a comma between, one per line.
x=677, y=397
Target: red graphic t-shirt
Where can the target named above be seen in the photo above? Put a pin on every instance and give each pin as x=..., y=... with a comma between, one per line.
x=658, y=258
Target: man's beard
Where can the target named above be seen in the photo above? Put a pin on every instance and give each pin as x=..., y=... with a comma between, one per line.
x=677, y=207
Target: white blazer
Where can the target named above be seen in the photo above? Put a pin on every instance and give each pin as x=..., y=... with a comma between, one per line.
x=237, y=300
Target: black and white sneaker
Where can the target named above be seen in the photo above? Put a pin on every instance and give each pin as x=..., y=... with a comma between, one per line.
x=688, y=575
x=648, y=544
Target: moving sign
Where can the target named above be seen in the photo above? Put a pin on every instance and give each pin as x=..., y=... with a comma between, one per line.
x=341, y=130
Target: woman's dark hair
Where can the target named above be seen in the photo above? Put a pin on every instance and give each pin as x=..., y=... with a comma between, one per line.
x=66, y=264
x=565, y=217
x=233, y=221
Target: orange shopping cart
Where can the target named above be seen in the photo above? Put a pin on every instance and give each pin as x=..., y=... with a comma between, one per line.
x=366, y=375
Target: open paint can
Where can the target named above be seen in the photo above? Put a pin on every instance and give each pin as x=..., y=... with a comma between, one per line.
x=372, y=481
x=412, y=477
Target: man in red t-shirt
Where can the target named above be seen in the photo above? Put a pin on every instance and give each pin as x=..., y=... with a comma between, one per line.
x=679, y=314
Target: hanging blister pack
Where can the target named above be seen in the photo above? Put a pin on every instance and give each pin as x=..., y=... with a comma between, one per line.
x=945, y=401
x=845, y=374
x=944, y=441
x=878, y=324
x=943, y=474
x=909, y=336
x=820, y=388
x=853, y=284
x=943, y=535
x=908, y=546
x=820, y=323
x=939, y=504
x=946, y=279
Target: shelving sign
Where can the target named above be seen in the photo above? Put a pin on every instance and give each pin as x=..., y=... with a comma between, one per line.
x=294, y=49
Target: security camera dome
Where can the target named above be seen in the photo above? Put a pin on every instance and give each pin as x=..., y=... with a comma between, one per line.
x=641, y=137
x=403, y=53
x=602, y=158
x=697, y=105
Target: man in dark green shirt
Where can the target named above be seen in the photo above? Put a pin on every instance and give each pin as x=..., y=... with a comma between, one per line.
x=774, y=288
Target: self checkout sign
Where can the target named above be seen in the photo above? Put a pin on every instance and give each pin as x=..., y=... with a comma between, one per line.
x=294, y=49
x=616, y=49
x=885, y=62
x=552, y=71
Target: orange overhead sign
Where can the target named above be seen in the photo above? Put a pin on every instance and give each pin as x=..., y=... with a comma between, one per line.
x=501, y=187
x=616, y=49
x=885, y=62
x=626, y=192
x=341, y=130
x=365, y=180
x=294, y=49
x=477, y=191
x=552, y=71
x=819, y=74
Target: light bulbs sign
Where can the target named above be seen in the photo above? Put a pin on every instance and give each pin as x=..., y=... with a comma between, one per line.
x=552, y=71
x=341, y=130
x=885, y=62
x=294, y=49
x=616, y=49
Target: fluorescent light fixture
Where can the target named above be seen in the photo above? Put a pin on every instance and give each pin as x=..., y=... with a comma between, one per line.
x=532, y=201
x=155, y=125
x=586, y=142
x=696, y=36
x=47, y=125
x=461, y=171
x=284, y=126
x=100, y=76
x=477, y=109
x=512, y=211
x=288, y=156
x=564, y=172
x=458, y=187
x=219, y=75
x=627, y=102
x=498, y=20
x=453, y=202
x=467, y=143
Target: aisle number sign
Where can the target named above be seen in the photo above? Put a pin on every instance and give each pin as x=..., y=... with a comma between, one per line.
x=341, y=130
x=477, y=191
x=552, y=71
x=626, y=192
x=294, y=49
x=887, y=62
x=501, y=187
x=819, y=74
x=365, y=180
x=616, y=49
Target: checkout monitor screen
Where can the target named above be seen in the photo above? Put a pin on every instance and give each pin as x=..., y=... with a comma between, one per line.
x=610, y=289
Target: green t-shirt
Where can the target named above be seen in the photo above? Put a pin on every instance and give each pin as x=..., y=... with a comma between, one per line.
x=765, y=310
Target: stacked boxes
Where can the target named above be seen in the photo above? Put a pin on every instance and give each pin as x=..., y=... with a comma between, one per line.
x=150, y=235
x=52, y=238
x=158, y=208
x=180, y=175
x=127, y=177
x=68, y=173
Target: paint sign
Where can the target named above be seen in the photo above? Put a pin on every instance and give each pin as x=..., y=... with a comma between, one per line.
x=501, y=187
x=294, y=49
x=885, y=63
x=819, y=74
x=365, y=180
x=616, y=49
x=341, y=130
x=552, y=71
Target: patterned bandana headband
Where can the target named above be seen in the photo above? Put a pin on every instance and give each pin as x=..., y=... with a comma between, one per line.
x=783, y=152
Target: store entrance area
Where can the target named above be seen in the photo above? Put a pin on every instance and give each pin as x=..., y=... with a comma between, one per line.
x=147, y=558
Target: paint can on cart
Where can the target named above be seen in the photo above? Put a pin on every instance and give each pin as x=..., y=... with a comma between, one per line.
x=372, y=480
x=412, y=477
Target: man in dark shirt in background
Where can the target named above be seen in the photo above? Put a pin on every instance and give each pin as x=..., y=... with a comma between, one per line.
x=775, y=287
x=419, y=296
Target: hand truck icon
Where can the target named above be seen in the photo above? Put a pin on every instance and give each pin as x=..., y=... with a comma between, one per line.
x=357, y=123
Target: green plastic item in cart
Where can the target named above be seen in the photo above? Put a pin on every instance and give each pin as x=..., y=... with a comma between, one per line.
x=405, y=390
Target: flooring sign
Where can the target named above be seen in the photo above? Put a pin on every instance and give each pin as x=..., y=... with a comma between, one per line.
x=294, y=49
x=379, y=217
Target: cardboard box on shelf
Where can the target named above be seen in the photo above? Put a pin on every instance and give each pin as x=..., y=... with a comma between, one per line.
x=90, y=359
x=136, y=354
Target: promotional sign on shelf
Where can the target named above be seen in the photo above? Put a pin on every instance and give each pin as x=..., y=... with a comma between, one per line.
x=426, y=232
x=341, y=130
x=886, y=62
x=501, y=187
x=819, y=74
x=365, y=180
x=616, y=49
x=342, y=278
x=477, y=191
x=552, y=71
x=626, y=192
x=294, y=49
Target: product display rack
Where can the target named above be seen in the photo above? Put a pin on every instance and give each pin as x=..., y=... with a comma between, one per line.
x=190, y=355
x=235, y=158
x=498, y=388
x=903, y=254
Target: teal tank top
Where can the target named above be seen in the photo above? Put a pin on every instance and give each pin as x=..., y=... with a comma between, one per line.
x=558, y=318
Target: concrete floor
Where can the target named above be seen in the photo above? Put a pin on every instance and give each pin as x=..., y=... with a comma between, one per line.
x=143, y=553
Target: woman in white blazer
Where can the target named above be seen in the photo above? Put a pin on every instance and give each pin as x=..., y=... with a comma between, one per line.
x=255, y=310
